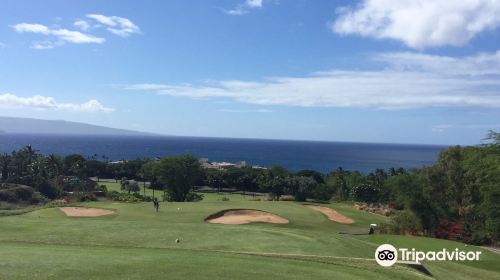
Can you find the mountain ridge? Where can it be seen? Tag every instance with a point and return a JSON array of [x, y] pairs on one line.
[[13, 125]]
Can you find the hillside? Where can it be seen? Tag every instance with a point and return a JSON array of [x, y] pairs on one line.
[[38, 126], [138, 243]]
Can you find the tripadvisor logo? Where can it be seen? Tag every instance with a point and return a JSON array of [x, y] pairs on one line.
[[387, 255]]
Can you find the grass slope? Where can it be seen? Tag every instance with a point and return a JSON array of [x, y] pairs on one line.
[[138, 243]]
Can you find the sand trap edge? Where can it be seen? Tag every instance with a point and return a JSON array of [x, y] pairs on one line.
[[222, 212], [334, 216], [99, 212]]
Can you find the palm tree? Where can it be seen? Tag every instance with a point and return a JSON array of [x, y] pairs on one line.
[[54, 165], [5, 161]]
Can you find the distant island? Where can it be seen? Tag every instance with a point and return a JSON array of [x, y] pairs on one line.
[[38, 126]]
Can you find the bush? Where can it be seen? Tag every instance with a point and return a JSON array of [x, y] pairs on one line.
[[365, 192], [322, 193], [113, 194], [405, 222], [14, 193], [194, 197], [130, 185], [480, 238], [384, 228], [123, 197], [23, 193], [49, 190], [101, 191], [73, 184], [287, 197], [86, 197], [8, 195], [9, 206], [142, 197], [225, 198], [102, 188], [38, 198]]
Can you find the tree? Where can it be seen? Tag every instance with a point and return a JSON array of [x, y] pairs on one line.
[[450, 163], [54, 165], [341, 182], [409, 192], [493, 138], [179, 175], [377, 180], [147, 174], [318, 177], [300, 187], [274, 186], [74, 165], [278, 171], [131, 168], [130, 186], [322, 192], [5, 161], [95, 168], [491, 211], [365, 192]]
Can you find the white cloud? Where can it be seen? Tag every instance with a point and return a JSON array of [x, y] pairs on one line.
[[60, 34], [117, 25], [31, 27], [43, 45], [82, 24], [246, 111], [49, 103], [443, 127], [245, 7], [409, 80], [478, 65], [419, 23], [254, 3], [76, 37]]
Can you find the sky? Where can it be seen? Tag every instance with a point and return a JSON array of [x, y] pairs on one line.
[[391, 71]]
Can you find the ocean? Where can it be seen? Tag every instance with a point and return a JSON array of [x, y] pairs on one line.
[[293, 155]]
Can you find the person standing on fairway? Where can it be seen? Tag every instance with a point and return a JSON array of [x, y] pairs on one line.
[[156, 204]]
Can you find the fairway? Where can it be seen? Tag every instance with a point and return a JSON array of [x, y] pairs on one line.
[[137, 242]]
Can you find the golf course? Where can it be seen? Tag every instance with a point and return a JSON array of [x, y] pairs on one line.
[[133, 241]]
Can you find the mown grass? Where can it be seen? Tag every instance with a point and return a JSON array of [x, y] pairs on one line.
[[138, 243]]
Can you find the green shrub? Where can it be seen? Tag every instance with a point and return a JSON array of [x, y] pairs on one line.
[[480, 238], [86, 197], [49, 190], [38, 198], [102, 188], [365, 192], [8, 195], [322, 193], [405, 222], [123, 197], [13, 193], [194, 197]]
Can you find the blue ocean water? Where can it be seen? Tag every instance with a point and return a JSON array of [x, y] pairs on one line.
[[293, 155]]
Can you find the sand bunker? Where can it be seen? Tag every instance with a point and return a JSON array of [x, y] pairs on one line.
[[331, 214], [244, 216], [85, 212]]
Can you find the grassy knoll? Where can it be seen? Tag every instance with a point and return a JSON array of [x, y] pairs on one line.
[[39, 261], [138, 243]]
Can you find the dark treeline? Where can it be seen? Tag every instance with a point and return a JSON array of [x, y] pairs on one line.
[[456, 198]]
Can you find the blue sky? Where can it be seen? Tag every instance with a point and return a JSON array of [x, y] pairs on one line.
[[368, 71]]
